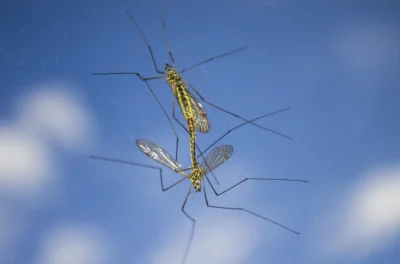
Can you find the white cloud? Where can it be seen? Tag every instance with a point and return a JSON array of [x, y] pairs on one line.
[[369, 47], [370, 219], [24, 161], [216, 240], [231, 242], [12, 226], [51, 113], [53, 110], [73, 244]]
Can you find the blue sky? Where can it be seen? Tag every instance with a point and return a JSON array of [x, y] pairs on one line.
[[335, 63]]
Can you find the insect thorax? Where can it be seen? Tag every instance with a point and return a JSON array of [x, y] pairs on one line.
[[173, 77], [179, 89], [195, 178]]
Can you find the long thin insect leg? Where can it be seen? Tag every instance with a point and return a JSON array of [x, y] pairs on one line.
[[140, 165], [238, 126], [257, 179], [158, 101], [213, 58], [130, 73], [228, 112], [190, 168], [177, 139], [165, 33], [147, 43], [177, 120], [250, 212], [192, 231], [165, 113]]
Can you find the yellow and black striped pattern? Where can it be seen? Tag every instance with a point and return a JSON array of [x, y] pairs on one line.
[[195, 177], [180, 91]]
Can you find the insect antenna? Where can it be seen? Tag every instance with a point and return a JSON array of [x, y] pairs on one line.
[[165, 33]]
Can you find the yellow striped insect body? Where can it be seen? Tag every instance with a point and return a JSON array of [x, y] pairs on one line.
[[196, 177], [182, 95], [190, 106]]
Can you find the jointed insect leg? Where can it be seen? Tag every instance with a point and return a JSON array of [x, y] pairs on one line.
[[147, 79], [169, 120], [177, 138], [257, 179], [213, 58], [193, 228], [238, 126], [242, 209], [233, 114], [169, 45], [147, 43], [158, 101], [130, 73], [174, 116], [140, 165]]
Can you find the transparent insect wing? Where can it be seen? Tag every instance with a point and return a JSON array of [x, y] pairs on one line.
[[201, 119], [158, 154], [216, 157]]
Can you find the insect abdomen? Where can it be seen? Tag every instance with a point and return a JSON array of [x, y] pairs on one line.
[[196, 179], [185, 104], [184, 101], [180, 90]]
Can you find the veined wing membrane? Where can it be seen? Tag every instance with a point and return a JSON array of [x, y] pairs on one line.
[[216, 157], [201, 119], [159, 154]]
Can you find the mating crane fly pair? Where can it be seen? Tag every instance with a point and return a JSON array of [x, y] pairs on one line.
[[196, 119], [191, 109]]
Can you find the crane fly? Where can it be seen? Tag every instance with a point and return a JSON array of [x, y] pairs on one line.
[[192, 110], [197, 177]]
